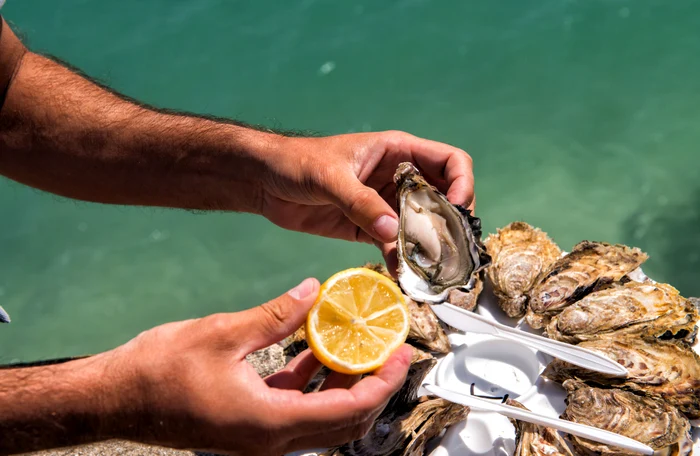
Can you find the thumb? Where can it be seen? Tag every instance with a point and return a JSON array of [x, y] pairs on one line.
[[273, 321], [366, 209]]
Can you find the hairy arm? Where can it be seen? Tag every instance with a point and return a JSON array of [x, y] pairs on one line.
[[64, 404], [65, 134]]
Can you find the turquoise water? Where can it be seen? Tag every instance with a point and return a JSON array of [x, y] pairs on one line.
[[583, 118]]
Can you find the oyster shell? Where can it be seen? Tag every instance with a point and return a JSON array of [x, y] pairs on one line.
[[645, 419], [534, 440], [439, 246], [405, 434], [658, 368], [630, 308], [425, 328], [467, 299], [519, 256], [588, 265], [407, 423], [4, 316]]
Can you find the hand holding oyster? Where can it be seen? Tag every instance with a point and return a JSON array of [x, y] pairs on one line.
[[439, 245]]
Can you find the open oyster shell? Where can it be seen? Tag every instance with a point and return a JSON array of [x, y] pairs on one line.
[[519, 256], [439, 246], [664, 369], [587, 266], [535, 440], [656, 310], [645, 419]]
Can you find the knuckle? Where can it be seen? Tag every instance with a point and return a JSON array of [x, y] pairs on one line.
[[360, 416], [359, 431], [394, 138], [218, 325], [396, 134], [362, 199], [468, 158], [274, 314]]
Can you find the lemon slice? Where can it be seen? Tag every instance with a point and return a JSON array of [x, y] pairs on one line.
[[359, 319]]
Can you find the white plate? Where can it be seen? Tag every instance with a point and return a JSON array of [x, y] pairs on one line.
[[497, 367]]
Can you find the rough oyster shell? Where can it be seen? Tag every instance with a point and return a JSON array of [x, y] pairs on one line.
[[664, 369], [407, 423], [588, 265], [645, 419], [439, 246], [630, 308], [467, 299], [534, 440], [425, 329], [405, 434], [519, 256]]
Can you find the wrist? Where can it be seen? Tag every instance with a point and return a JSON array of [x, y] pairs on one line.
[[239, 162]]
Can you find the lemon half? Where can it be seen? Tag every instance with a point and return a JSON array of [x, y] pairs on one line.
[[358, 320]]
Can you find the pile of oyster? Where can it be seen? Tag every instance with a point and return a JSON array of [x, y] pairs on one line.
[[588, 297]]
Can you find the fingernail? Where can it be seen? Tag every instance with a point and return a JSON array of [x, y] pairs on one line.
[[303, 290], [386, 227]]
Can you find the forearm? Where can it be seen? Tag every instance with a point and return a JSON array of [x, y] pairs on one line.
[[65, 404], [62, 133]]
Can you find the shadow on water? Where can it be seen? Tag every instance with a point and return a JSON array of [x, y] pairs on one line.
[[670, 233]]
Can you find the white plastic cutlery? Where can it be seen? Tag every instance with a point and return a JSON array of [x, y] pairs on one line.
[[467, 321], [581, 430]]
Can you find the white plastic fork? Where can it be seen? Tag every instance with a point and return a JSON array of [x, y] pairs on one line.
[[581, 430], [467, 321]]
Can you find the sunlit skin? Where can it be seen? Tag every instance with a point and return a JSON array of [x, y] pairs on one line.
[[187, 384]]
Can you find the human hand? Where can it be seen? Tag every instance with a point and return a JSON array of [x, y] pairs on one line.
[[197, 391], [342, 186]]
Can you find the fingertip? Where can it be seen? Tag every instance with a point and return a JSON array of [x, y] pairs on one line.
[[386, 228], [306, 289], [397, 364], [404, 354], [461, 192]]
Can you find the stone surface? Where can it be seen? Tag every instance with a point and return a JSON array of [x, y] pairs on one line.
[[266, 361]]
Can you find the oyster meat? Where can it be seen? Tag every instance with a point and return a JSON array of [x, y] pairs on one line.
[[646, 419], [439, 246], [631, 308], [407, 423], [589, 264], [535, 440], [657, 368], [519, 255]]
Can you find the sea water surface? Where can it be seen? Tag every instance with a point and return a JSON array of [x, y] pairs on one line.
[[582, 117]]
